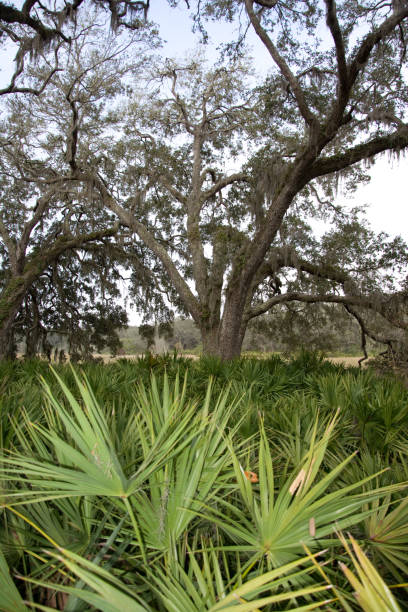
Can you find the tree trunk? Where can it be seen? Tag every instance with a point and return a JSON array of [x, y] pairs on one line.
[[232, 329], [210, 339], [32, 342], [231, 341], [7, 344], [10, 303]]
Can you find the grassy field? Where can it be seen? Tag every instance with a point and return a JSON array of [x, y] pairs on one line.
[[166, 484]]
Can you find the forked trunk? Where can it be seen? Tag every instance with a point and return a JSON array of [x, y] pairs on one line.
[[225, 340]]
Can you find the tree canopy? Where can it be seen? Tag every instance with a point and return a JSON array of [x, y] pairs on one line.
[[213, 182]]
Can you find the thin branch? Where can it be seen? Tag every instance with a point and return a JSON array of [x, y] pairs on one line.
[[327, 203], [180, 103], [12, 88], [170, 188]]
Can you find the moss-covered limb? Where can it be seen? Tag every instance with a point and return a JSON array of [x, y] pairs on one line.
[[385, 305], [37, 264], [17, 287], [187, 296], [11, 15], [287, 258], [327, 165]]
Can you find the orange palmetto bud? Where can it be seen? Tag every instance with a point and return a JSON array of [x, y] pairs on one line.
[[251, 476]]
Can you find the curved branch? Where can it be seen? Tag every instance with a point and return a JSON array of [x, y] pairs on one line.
[[353, 300], [365, 332], [224, 182], [170, 188], [12, 88]]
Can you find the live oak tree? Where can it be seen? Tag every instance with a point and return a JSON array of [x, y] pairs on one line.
[[169, 195], [33, 26], [215, 179], [331, 104], [49, 227], [72, 308], [326, 107], [38, 226]]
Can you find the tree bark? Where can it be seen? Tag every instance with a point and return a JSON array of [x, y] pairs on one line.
[[10, 303], [7, 344], [233, 328], [211, 341], [34, 333]]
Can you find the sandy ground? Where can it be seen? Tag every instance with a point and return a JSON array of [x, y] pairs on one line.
[[347, 361]]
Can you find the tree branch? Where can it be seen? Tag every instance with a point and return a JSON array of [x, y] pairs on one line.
[[333, 24], [306, 113], [224, 182], [10, 245], [326, 165], [12, 88], [65, 244], [179, 102], [150, 241], [39, 210], [354, 300], [371, 40], [366, 332], [170, 188], [9, 14]]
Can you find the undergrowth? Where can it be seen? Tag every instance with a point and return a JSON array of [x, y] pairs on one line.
[[166, 484]]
